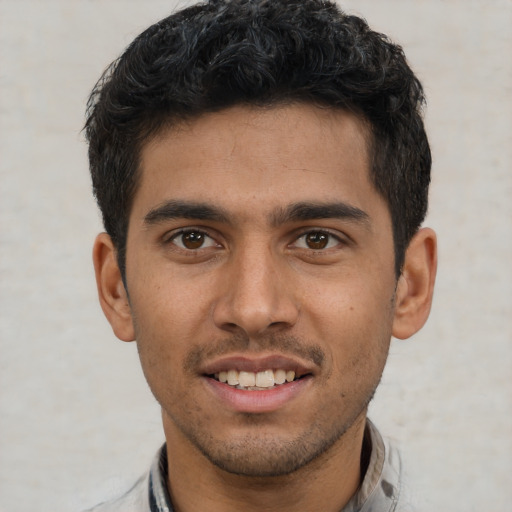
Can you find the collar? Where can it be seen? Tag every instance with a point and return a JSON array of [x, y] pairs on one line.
[[379, 490]]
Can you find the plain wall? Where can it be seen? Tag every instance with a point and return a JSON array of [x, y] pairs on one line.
[[77, 423]]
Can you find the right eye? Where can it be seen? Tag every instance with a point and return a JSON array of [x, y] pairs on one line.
[[192, 240]]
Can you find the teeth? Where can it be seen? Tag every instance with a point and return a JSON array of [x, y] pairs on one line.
[[254, 381], [233, 378], [247, 379], [279, 376], [265, 379]]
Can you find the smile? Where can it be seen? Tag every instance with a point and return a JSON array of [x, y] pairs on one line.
[[257, 385], [255, 381]]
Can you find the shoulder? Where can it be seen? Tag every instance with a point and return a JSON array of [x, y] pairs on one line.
[[134, 500]]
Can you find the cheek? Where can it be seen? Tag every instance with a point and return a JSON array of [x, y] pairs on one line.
[[169, 315], [354, 321], [165, 300]]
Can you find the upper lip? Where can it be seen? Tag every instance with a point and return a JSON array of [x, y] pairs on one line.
[[257, 364]]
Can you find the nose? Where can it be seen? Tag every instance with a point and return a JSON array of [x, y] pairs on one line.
[[255, 294]]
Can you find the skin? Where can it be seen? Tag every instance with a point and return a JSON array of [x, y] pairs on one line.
[[253, 279]]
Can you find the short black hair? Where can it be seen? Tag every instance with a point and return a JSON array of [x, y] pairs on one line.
[[222, 53]]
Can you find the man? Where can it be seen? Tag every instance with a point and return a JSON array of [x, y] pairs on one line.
[[262, 170]]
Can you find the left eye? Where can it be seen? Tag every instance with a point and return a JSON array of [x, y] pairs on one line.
[[317, 240], [193, 240]]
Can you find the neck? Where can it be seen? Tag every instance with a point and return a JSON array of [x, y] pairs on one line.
[[327, 483]]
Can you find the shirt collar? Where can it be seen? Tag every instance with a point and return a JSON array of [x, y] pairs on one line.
[[380, 488], [159, 499]]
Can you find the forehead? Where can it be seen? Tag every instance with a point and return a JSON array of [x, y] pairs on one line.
[[254, 159]]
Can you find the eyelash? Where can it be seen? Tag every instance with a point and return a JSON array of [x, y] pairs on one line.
[[331, 237], [183, 232]]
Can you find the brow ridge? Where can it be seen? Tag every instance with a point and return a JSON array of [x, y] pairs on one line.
[[177, 209], [295, 212], [304, 211]]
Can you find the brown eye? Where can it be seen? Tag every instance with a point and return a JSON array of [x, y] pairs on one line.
[[193, 240], [317, 240]]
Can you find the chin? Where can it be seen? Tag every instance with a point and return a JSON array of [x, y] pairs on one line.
[[267, 456], [271, 460]]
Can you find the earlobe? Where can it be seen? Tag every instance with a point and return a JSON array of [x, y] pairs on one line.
[[416, 284], [111, 291]]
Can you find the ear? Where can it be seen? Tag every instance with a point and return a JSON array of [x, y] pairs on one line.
[[111, 290], [416, 284]]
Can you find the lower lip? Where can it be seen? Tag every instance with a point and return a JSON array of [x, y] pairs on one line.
[[268, 400]]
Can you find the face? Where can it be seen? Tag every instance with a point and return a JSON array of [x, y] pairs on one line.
[[259, 252]]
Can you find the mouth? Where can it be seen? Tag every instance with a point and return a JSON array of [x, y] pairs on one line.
[[256, 381]]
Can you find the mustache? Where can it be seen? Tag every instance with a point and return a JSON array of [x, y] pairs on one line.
[[239, 342]]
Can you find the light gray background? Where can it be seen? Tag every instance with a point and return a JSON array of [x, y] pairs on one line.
[[77, 423]]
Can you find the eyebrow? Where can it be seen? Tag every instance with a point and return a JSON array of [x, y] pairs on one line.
[[312, 211], [296, 212], [184, 210]]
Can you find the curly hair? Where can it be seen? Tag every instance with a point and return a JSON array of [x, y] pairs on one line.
[[221, 53]]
